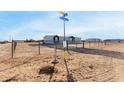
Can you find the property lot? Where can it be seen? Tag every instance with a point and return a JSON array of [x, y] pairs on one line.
[[92, 63]]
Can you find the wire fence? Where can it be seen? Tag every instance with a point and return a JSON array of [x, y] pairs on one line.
[[17, 48], [27, 52], [94, 44], [5, 50], [20, 48]]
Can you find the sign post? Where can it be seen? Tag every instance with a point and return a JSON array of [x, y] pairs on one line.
[[63, 17]]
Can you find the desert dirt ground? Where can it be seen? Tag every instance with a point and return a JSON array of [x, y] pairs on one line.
[[94, 63]]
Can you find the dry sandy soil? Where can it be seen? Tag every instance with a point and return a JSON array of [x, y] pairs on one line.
[[98, 63]]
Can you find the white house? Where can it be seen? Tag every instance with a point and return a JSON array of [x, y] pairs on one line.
[[51, 39]]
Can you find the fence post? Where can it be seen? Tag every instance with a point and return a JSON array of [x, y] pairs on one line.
[[12, 49], [98, 43], [89, 44], [67, 44], [83, 43], [39, 48], [105, 43], [76, 45]]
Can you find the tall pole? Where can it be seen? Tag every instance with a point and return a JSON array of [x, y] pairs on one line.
[[64, 40], [64, 29], [63, 17]]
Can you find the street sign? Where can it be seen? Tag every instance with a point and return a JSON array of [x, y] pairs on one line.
[[64, 14], [64, 19], [64, 44]]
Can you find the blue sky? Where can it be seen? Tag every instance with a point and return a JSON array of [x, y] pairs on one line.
[[36, 24]]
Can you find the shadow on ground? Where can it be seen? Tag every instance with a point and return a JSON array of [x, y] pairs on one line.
[[114, 54]]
